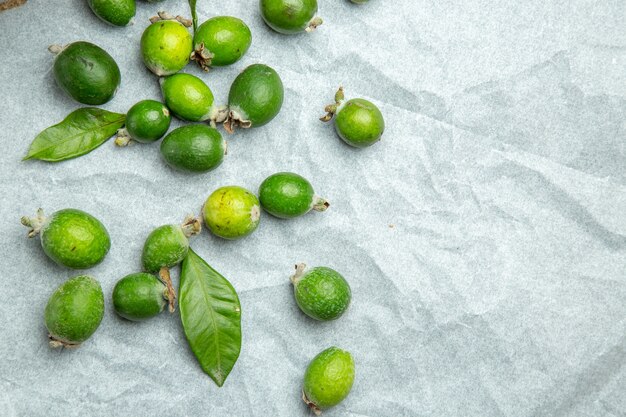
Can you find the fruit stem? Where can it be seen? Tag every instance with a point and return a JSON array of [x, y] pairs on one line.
[[191, 225], [35, 223], [299, 273], [56, 48], [162, 15], [164, 274], [331, 109], [123, 138], [202, 56], [319, 203], [313, 24], [311, 405], [56, 343], [235, 119]]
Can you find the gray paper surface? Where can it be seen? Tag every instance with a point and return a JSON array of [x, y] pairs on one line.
[[484, 237]]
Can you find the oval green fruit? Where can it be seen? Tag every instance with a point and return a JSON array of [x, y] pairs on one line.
[[194, 148], [167, 245], [321, 293], [74, 311], [147, 121], [288, 195], [328, 379], [86, 72], [290, 16], [115, 12], [232, 212], [188, 97], [139, 296], [220, 41], [166, 46], [255, 97]]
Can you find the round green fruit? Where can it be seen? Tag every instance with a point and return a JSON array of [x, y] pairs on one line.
[[166, 46], [220, 41], [74, 311], [328, 379], [139, 296], [147, 121], [86, 72], [70, 237], [288, 195], [321, 293], [188, 97], [115, 12], [290, 16], [232, 212], [194, 148]]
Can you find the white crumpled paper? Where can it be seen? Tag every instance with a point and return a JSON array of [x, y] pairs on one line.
[[484, 237]]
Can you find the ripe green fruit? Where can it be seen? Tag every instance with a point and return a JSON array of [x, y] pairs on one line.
[[290, 16], [194, 148], [232, 212], [166, 46], [139, 296], [86, 72], [115, 12], [70, 237], [220, 41], [321, 293], [255, 98], [188, 97], [328, 379], [74, 311], [147, 121], [288, 195]]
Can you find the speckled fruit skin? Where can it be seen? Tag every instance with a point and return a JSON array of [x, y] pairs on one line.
[[114, 12], [166, 246], [193, 148], [188, 97], [87, 73], [166, 46], [256, 94], [286, 195], [74, 311], [147, 121], [328, 379], [359, 123], [232, 212], [288, 16], [227, 38], [322, 293], [139, 296]]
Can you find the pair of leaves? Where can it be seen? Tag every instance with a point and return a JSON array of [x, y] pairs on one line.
[[80, 132], [211, 315]]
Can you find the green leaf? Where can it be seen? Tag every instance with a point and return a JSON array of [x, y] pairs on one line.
[[194, 15], [80, 132], [211, 316]]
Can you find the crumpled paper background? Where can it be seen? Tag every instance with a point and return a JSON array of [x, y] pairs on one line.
[[484, 237]]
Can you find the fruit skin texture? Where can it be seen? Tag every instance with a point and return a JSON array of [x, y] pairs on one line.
[[231, 212], [74, 311], [115, 12], [287, 195], [288, 16], [321, 293], [139, 296], [359, 123], [166, 46], [147, 121], [226, 38], [188, 97], [328, 379], [87, 73], [193, 148]]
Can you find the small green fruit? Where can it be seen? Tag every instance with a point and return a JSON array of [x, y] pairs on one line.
[[115, 12], [166, 46], [288, 195], [194, 148], [147, 121], [328, 379], [255, 98], [220, 41], [232, 212], [321, 293], [74, 311], [70, 237], [188, 97], [139, 296], [290, 16], [86, 72]]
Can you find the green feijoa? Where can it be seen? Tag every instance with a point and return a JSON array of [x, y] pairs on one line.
[[287, 195], [290, 16], [74, 311], [115, 12], [328, 379], [147, 121], [70, 237], [166, 46], [139, 296], [86, 72], [255, 98], [220, 41], [321, 293], [188, 97], [194, 148], [231, 212]]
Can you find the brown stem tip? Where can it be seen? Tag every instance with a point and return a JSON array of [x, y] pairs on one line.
[[331, 109], [164, 274], [310, 404], [162, 15]]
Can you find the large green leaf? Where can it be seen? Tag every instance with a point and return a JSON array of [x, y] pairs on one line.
[[80, 132], [194, 14], [211, 316]]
